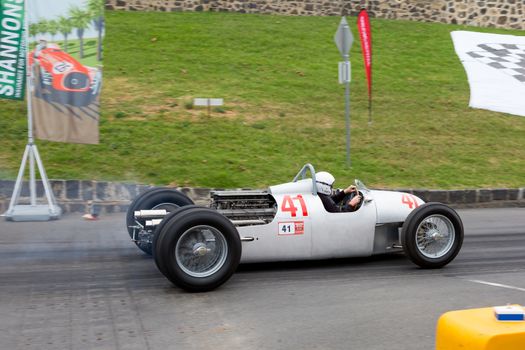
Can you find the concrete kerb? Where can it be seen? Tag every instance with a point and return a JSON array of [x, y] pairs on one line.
[[101, 197]]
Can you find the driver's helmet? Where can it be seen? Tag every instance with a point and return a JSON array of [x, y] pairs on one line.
[[324, 182]]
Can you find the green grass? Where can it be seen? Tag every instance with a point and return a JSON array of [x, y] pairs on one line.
[[283, 107], [90, 51]]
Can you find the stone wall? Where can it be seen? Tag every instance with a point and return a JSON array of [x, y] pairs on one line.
[[483, 13], [80, 196], [77, 196]]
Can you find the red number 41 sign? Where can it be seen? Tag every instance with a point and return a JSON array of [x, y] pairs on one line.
[[288, 205]]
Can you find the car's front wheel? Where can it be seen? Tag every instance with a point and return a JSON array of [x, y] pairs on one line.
[[432, 235], [197, 249]]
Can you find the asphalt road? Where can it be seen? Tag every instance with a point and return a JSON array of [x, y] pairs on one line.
[[74, 284]]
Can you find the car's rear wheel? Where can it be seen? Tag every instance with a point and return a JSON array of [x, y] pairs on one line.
[[197, 249], [157, 198], [432, 235]]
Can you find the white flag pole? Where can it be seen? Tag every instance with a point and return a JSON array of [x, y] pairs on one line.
[[33, 211]]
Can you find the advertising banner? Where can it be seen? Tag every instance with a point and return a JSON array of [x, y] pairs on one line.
[[65, 62], [12, 49], [495, 66], [365, 34]]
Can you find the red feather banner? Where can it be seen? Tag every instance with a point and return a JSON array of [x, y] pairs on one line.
[[365, 33]]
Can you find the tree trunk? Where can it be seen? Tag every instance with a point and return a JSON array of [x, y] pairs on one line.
[[99, 42], [65, 42], [80, 33]]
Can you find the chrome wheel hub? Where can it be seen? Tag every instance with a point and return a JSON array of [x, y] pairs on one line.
[[435, 236], [201, 251]]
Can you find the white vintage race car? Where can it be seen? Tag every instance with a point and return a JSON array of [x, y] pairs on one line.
[[199, 248]]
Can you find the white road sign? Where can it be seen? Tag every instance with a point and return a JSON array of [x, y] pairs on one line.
[[207, 102], [343, 37], [344, 72]]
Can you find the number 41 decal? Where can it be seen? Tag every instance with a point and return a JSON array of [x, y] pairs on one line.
[[288, 205], [409, 200]]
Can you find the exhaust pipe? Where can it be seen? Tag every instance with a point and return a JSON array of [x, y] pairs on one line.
[[150, 214]]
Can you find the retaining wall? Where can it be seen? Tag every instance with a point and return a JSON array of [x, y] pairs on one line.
[[76, 196], [483, 13]]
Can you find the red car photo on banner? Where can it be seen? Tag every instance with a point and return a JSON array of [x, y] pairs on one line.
[[58, 77], [65, 66]]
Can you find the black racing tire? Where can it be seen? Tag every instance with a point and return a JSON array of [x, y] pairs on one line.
[[72, 98], [199, 249], [155, 198], [61, 97], [160, 228], [432, 235], [85, 99]]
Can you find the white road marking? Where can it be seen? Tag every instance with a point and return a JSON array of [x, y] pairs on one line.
[[498, 285]]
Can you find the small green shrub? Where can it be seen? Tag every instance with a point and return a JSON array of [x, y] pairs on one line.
[[120, 115]]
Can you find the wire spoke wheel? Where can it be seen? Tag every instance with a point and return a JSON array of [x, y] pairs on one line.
[[197, 248], [201, 251], [435, 236], [432, 235]]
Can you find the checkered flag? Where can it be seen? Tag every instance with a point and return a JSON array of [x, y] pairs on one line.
[[508, 58]]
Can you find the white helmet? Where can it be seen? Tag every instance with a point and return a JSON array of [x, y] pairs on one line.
[[324, 182]]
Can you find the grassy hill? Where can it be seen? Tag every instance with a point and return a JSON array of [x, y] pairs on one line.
[[283, 107]]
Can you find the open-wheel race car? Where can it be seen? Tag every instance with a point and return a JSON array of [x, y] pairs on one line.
[[199, 248]]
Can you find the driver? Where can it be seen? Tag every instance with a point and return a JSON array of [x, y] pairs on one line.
[[325, 182], [42, 45]]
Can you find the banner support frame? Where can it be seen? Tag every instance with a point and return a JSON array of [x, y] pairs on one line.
[[33, 211]]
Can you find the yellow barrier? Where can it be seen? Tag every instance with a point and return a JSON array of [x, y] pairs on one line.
[[478, 329]]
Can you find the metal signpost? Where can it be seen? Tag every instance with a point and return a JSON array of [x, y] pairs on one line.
[[344, 39], [32, 211]]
